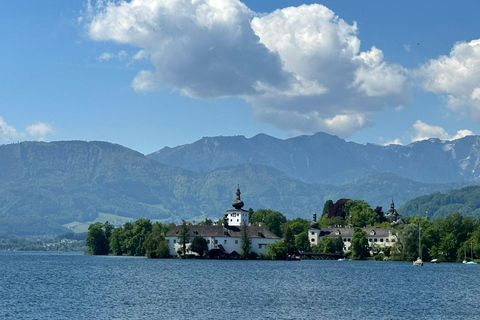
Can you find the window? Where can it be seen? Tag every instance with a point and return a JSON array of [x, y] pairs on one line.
[[370, 240], [386, 240], [259, 246], [381, 239], [344, 239], [393, 240], [349, 240], [313, 240], [236, 241], [216, 241], [313, 233], [375, 240], [225, 241], [208, 241], [174, 241]]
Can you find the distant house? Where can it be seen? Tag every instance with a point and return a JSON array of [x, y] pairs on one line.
[[224, 241]]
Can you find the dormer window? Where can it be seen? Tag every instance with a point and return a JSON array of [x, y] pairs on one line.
[[337, 232], [372, 232]]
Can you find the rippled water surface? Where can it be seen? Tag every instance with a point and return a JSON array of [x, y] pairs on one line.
[[37, 285]]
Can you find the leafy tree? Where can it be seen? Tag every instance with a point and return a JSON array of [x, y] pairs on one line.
[[359, 214], [155, 244], [299, 225], [302, 242], [326, 207], [96, 241], [359, 246], [277, 251], [117, 239], [183, 238], [289, 240], [246, 243], [206, 222], [199, 245], [272, 220]]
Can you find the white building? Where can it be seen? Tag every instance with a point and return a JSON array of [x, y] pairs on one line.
[[224, 241], [377, 237]]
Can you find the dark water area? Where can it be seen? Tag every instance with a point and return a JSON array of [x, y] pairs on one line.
[[37, 285]]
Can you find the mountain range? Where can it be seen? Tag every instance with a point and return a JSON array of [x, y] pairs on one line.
[[48, 188]]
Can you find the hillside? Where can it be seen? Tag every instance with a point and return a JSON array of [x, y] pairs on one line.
[[326, 159], [465, 201], [47, 187]]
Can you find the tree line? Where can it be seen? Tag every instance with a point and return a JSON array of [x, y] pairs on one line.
[[446, 239]]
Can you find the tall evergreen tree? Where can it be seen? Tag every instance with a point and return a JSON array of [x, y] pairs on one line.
[[246, 243], [183, 238]]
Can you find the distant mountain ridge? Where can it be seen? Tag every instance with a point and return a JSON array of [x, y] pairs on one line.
[[45, 187], [323, 158]]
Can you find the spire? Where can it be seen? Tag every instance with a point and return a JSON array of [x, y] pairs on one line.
[[238, 203], [314, 224]]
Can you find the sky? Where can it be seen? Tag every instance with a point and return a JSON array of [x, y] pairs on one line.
[[148, 74]]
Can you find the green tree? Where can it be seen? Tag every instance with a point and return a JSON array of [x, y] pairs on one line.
[[326, 207], [359, 214], [289, 240], [302, 242], [359, 246], [272, 220], [299, 225], [155, 244], [117, 239], [183, 238], [246, 243], [96, 241], [199, 245], [277, 251]]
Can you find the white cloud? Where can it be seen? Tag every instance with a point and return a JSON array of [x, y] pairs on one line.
[[300, 67], [106, 56], [8, 133], [40, 130], [425, 131], [457, 77]]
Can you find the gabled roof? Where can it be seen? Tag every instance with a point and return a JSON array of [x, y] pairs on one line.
[[220, 231]]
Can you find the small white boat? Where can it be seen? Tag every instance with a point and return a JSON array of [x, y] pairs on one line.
[[418, 262], [434, 261], [343, 259]]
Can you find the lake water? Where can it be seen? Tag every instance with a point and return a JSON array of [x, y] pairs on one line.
[[38, 285]]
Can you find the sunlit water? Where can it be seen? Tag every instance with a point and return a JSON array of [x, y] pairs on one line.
[[73, 286]]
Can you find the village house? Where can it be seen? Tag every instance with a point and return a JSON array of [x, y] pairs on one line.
[[224, 241]]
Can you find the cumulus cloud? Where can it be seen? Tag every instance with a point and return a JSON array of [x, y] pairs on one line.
[[40, 130], [301, 68], [456, 77], [425, 131], [8, 133]]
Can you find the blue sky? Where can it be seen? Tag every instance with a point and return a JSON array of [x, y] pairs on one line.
[[150, 74]]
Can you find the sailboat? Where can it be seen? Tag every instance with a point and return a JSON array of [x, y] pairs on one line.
[[471, 255], [419, 261]]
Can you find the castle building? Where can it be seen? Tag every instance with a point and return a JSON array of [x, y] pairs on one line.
[[224, 241], [377, 237]]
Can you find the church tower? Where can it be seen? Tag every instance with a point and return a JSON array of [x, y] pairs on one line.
[[237, 216]]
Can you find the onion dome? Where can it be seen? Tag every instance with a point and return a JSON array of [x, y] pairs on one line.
[[238, 204]]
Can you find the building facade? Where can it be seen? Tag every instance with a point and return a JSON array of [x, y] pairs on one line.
[[224, 241]]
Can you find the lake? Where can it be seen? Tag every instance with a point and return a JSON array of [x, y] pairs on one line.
[[45, 285]]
